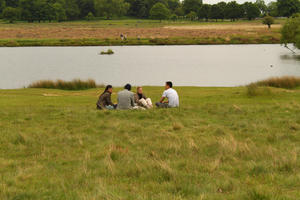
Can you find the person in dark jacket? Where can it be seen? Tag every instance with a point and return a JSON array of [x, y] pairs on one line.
[[104, 101]]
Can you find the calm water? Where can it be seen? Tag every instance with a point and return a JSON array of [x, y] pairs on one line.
[[214, 65]]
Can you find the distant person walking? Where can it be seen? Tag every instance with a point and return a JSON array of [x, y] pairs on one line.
[[104, 101], [141, 100], [126, 99], [171, 95]]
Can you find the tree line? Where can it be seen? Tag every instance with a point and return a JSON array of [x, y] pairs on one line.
[[62, 10]]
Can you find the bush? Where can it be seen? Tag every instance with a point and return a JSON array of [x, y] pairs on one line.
[[11, 14], [75, 84], [268, 20], [108, 52], [287, 82]]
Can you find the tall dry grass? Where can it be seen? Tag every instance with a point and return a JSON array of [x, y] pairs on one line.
[[75, 84], [288, 82]]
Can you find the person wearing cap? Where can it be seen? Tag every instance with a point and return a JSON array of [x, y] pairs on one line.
[[126, 99]]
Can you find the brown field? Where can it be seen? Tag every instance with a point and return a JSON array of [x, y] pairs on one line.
[[169, 31]]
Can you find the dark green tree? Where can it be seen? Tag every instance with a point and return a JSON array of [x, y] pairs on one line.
[[287, 8], [216, 12], [11, 14], [222, 6], [86, 7], [262, 6], [272, 9], [89, 16], [251, 10], [2, 6], [192, 16], [191, 5], [234, 11], [204, 12], [110, 8], [60, 12], [159, 11]]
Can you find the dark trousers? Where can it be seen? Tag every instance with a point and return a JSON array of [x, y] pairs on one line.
[[162, 105]]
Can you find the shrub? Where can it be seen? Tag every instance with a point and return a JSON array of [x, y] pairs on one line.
[[287, 82], [108, 52], [75, 84]]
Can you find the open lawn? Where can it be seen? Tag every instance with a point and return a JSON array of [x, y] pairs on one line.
[[107, 32], [220, 144]]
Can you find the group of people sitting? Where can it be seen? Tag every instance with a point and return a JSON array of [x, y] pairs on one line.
[[128, 100]]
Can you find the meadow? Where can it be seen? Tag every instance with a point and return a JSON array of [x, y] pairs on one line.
[[220, 144], [138, 32]]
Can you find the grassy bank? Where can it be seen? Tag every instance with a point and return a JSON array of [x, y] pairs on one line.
[[220, 144], [138, 32], [142, 41]]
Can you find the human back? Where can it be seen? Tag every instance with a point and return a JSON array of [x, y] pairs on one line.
[[125, 98]]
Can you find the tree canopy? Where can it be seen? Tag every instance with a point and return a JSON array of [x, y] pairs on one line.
[[291, 32]]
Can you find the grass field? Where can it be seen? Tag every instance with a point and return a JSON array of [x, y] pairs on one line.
[[138, 32], [220, 144]]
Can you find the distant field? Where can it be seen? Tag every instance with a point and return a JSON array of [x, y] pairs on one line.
[[220, 144], [222, 32]]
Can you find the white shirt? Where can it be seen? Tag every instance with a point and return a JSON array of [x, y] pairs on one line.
[[172, 96]]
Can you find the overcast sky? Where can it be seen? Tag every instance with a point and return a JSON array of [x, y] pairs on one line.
[[239, 1]]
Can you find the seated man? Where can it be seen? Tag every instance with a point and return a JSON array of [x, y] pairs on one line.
[[126, 99], [141, 100], [171, 95], [104, 101]]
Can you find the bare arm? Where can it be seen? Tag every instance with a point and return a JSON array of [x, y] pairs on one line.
[[162, 100]]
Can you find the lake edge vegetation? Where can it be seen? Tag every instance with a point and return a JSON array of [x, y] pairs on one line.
[[75, 84]]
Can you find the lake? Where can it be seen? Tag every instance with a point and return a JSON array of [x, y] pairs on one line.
[[205, 65]]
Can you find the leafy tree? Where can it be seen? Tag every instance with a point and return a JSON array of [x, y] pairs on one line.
[[216, 12], [204, 12], [179, 11], [159, 11], [110, 8], [222, 8], [291, 32], [60, 12], [234, 11], [191, 5], [287, 8], [272, 9], [262, 6], [173, 4], [2, 5], [11, 14], [192, 16], [90, 16], [251, 10], [86, 7], [173, 17], [268, 20], [12, 3], [72, 9]]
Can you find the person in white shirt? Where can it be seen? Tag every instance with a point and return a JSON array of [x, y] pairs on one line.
[[171, 95]]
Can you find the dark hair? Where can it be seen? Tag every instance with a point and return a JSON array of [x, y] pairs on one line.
[[169, 83], [127, 87], [107, 88]]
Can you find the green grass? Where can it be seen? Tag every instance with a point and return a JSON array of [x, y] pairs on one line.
[[135, 41], [220, 144]]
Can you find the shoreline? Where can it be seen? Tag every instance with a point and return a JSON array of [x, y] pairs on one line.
[[138, 42]]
